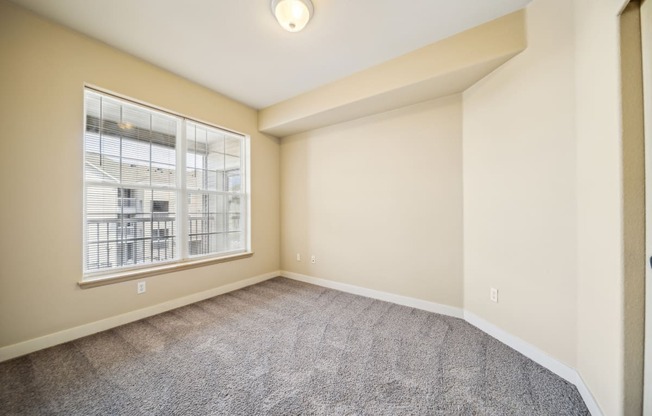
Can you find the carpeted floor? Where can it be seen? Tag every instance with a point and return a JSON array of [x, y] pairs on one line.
[[285, 348]]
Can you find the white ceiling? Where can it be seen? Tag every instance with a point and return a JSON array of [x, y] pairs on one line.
[[237, 48]]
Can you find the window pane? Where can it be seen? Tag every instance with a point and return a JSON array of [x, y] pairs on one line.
[[109, 127], [102, 223], [215, 223], [126, 227], [98, 166], [234, 241], [129, 144], [206, 158], [233, 165], [130, 149], [161, 229], [234, 213], [205, 223]]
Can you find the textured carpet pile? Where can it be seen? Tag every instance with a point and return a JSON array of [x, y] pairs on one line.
[[285, 348]]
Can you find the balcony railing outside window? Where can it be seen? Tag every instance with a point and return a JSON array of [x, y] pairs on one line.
[[116, 242]]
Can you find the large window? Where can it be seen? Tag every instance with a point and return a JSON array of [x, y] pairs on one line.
[[159, 188]]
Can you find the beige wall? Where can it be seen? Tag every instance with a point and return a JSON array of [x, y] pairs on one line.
[[379, 202], [599, 179], [633, 159], [543, 189], [44, 68], [646, 38], [519, 188]]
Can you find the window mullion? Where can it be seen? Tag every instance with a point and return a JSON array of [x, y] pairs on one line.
[[182, 193], [245, 189]]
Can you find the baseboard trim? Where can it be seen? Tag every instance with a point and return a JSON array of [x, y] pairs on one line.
[[46, 341], [377, 294], [562, 370], [525, 348], [586, 394]]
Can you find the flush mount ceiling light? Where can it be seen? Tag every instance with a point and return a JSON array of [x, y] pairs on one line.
[[292, 15]]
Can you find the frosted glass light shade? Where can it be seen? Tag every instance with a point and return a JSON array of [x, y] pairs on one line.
[[292, 15]]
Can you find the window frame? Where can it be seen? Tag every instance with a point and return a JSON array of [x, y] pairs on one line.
[[183, 259]]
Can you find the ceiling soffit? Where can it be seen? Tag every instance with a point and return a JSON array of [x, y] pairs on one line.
[[443, 68]]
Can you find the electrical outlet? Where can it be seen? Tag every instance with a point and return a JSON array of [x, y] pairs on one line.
[[313, 259], [298, 256], [493, 295], [141, 288]]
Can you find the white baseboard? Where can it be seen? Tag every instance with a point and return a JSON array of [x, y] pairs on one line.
[[32, 345], [562, 370], [525, 348], [586, 394], [376, 294]]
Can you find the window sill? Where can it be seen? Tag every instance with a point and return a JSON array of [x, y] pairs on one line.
[[110, 279]]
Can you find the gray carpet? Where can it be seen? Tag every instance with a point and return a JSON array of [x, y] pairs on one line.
[[285, 348]]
